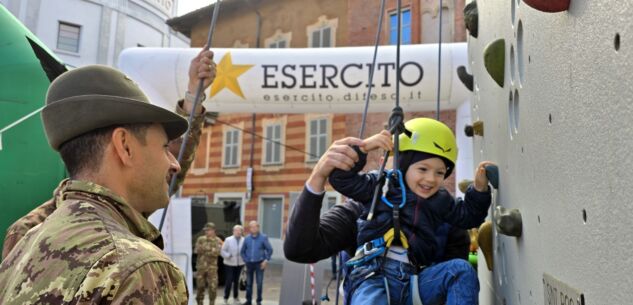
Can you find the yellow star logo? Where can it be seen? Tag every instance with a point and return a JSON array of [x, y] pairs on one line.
[[226, 76]]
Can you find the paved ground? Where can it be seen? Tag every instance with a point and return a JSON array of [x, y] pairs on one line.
[[272, 288]]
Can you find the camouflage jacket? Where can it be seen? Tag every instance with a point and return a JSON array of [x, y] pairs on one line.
[[17, 230], [208, 250], [93, 249]]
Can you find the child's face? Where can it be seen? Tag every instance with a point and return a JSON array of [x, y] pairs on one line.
[[426, 177]]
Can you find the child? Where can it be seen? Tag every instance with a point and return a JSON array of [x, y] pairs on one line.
[[389, 269]]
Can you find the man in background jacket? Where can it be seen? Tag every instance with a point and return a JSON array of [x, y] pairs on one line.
[[256, 253]]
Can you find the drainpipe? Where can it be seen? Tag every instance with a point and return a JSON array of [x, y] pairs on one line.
[[251, 170]]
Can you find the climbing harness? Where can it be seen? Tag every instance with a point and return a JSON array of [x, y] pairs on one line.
[[172, 184]]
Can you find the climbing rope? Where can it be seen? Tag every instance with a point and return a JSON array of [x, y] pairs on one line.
[[439, 64], [174, 177], [371, 70]]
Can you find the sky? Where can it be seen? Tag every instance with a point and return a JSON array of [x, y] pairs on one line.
[[186, 6]]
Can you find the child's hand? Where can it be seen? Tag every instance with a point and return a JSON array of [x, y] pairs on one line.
[[481, 180], [381, 140]]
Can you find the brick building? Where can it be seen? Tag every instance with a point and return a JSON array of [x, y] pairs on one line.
[[219, 173]]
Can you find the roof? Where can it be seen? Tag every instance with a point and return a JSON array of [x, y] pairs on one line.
[[185, 23]]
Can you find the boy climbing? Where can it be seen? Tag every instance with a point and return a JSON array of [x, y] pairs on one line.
[[393, 263]]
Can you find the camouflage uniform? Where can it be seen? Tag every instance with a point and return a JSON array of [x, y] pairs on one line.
[[93, 249], [208, 250], [17, 230]]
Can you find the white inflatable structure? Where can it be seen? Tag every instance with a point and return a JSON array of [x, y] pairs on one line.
[[333, 80]]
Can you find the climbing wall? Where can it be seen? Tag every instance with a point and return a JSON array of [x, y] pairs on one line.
[[560, 128]]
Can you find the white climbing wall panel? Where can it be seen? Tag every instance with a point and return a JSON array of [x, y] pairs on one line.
[[561, 130]]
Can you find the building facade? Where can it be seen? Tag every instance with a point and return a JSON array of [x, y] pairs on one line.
[[237, 142], [83, 32]]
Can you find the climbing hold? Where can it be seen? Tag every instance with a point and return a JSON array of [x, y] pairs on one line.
[[471, 18], [478, 128], [548, 6], [485, 243], [468, 130], [508, 221], [492, 172], [494, 60], [464, 184], [467, 79], [472, 259]]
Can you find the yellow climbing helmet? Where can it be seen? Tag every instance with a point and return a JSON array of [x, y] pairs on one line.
[[430, 136]]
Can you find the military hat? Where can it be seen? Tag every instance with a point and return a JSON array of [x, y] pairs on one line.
[[209, 226], [97, 96]]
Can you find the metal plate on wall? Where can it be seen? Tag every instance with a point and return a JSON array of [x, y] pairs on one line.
[[559, 293]]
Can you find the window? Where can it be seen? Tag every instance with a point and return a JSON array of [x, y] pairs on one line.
[[330, 200], [201, 161], [406, 27], [271, 212], [317, 138], [231, 148], [322, 34], [68, 37], [321, 38], [277, 44], [233, 205], [278, 40], [272, 149]]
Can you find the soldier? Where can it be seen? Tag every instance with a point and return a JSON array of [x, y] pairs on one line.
[[96, 246], [184, 107], [208, 248]]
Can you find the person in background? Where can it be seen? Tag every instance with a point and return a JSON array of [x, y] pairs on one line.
[[233, 263], [208, 249], [256, 253]]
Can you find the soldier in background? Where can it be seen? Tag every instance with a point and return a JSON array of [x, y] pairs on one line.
[[208, 248]]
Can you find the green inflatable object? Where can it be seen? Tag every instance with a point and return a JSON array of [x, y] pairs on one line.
[[494, 60], [29, 169], [472, 259]]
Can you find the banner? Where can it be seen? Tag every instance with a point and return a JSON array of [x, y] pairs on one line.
[[332, 80]]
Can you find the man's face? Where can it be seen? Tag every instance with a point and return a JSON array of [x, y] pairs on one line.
[[426, 177], [210, 232], [254, 228], [154, 167], [237, 232]]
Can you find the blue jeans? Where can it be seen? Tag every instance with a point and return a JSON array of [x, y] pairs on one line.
[[259, 274], [452, 282]]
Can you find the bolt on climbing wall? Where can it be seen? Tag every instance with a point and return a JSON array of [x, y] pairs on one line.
[[552, 87]]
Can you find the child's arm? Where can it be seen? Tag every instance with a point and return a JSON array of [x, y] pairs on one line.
[[472, 210], [360, 187]]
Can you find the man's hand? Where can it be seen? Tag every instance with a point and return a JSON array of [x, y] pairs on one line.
[[481, 180], [339, 155], [382, 140], [201, 67], [263, 265]]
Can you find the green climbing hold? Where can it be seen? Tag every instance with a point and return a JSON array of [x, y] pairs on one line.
[[472, 259], [494, 60], [471, 18]]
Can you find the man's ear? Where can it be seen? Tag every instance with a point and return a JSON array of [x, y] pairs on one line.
[[121, 141]]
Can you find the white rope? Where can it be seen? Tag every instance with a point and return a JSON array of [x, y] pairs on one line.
[[20, 120]]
